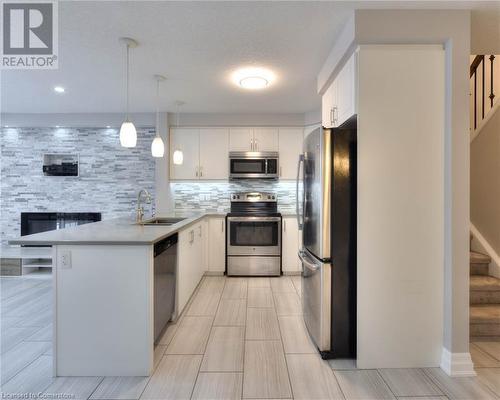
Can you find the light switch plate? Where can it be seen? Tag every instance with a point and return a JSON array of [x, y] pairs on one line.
[[66, 259]]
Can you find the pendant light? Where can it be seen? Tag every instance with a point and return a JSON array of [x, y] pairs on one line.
[[178, 156], [157, 147], [128, 133]]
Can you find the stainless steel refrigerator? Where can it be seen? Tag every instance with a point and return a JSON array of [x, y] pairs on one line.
[[327, 218]]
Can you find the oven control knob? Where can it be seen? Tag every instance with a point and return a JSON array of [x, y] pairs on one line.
[[273, 197]]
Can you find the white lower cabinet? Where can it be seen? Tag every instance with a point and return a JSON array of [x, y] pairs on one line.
[[201, 248], [290, 245], [216, 244], [190, 262]]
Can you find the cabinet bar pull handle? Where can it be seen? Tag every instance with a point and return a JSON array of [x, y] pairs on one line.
[[280, 171], [256, 144], [251, 144], [284, 225], [331, 116], [334, 109]]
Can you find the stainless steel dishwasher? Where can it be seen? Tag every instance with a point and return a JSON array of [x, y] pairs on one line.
[[165, 264]]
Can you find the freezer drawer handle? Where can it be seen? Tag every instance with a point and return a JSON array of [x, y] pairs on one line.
[[312, 267]]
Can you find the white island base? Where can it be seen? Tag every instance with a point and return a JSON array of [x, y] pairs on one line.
[[103, 319]]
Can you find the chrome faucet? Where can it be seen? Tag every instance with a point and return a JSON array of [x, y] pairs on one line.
[[140, 208]]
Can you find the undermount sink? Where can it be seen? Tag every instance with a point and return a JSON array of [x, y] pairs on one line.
[[161, 221]]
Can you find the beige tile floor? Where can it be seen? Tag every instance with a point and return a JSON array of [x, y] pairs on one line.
[[238, 338]]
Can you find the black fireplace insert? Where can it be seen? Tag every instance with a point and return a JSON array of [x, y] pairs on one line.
[[36, 222]]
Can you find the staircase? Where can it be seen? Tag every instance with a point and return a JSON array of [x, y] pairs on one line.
[[484, 300]]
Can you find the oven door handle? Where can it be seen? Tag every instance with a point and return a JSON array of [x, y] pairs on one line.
[[251, 219], [309, 266]]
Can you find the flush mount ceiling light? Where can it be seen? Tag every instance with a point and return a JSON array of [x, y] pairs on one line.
[[59, 89], [253, 78], [157, 147], [128, 133]]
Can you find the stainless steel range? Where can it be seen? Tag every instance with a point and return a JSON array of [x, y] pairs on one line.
[[253, 245]]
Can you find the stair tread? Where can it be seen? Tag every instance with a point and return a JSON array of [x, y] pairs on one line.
[[484, 282], [485, 313], [479, 258]]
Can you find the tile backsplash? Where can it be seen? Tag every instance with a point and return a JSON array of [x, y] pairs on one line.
[[109, 178], [189, 196]]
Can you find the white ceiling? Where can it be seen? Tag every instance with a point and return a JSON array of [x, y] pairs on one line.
[[196, 45]]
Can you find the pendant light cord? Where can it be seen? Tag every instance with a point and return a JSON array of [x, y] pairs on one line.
[[158, 107], [128, 117]]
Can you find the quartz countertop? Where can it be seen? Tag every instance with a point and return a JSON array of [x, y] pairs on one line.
[[117, 231]]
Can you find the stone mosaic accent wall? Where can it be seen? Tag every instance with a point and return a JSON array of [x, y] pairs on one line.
[[110, 175], [214, 196]]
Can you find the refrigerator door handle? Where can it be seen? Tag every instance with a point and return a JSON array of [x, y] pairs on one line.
[[299, 217]]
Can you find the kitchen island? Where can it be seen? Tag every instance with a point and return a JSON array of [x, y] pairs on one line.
[[103, 280]]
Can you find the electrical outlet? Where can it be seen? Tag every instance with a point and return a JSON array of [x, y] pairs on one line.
[[66, 259]]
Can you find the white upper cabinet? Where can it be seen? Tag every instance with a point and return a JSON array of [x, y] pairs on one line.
[[241, 139], [214, 148], [253, 139], [328, 106], [206, 150], [346, 91], [338, 103], [187, 140], [265, 139], [290, 147]]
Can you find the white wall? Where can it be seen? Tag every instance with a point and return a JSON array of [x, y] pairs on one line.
[[485, 184], [400, 206], [485, 30]]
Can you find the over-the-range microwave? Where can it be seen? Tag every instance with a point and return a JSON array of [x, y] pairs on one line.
[[253, 164]]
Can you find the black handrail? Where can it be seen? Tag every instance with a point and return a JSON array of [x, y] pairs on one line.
[[480, 61]]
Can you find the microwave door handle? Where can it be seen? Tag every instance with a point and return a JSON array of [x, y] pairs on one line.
[[299, 217]]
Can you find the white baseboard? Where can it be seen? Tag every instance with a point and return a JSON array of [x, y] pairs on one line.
[[457, 364], [292, 273], [480, 244], [214, 273]]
